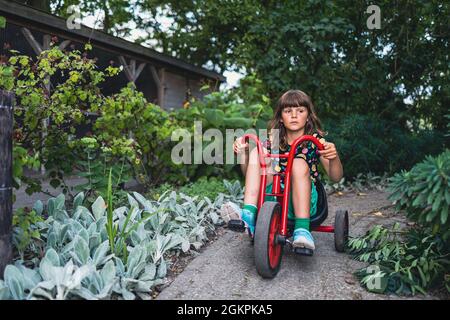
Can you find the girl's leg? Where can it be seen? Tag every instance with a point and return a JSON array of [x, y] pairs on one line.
[[301, 197], [301, 189], [252, 184], [253, 178]]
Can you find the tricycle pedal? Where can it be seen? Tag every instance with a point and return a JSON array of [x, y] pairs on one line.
[[304, 251], [236, 225]]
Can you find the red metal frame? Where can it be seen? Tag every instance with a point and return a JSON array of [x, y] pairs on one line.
[[283, 198]]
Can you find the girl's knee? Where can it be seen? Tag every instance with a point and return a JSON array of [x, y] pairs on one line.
[[300, 168]]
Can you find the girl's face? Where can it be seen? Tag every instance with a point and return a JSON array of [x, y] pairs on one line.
[[294, 118]]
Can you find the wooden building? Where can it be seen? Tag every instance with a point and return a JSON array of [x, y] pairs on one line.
[[164, 80]]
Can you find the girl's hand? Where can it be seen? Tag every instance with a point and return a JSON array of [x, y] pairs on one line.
[[329, 152], [239, 146]]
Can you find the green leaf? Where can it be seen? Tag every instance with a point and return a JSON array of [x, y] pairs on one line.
[[2, 22], [99, 208]]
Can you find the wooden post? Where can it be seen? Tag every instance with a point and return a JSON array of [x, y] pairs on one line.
[[6, 135], [159, 78]]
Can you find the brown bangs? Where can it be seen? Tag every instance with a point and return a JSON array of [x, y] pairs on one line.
[[294, 98]]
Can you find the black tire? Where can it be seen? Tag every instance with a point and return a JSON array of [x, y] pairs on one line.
[[270, 210], [341, 230]]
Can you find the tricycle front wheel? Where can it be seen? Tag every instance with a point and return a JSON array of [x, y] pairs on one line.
[[268, 251], [340, 230]]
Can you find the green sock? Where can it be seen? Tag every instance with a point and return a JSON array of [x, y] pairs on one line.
[[302, 223], [250, 207]]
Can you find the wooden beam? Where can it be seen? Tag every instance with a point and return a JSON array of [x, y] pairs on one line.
[[155, 77], [130, 70], [64, 44], [6, 178], [139, 70], [162, 87], [32, 41], [42, 22]]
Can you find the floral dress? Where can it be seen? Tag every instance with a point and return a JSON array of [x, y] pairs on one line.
[[307, 151]]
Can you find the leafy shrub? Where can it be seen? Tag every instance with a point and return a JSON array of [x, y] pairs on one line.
[[26, 228], [368, 144], [407, 261], [417, 259], [424, 193]]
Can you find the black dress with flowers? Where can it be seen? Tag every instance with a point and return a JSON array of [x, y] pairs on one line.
[[307, 151]]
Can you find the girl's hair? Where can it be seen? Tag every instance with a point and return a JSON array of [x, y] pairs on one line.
[[295, 98]]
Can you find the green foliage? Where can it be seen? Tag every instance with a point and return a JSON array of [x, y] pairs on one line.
[[148, 128], [108, 252], [2, 22], [240, 109], [397, 73], [26, 228], [93, 163], [369, 144], [204, 187], [406, 261], [424, 193]]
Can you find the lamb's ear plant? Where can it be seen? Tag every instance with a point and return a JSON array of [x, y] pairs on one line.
[[107, 253]]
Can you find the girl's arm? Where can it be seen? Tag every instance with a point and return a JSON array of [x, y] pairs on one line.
[[244, 161], [331, 162]]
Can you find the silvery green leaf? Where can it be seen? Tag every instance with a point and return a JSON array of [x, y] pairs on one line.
[[108, 273], [137, 255], [51, 206], [119, 266], [79, 275], [181, 219], [101, 223], [143, 286], [75, 226], [99, 208], [185, 245], [85, 294], [127, 295], [4, 291], [135, 239], [31, 277], [132, 201], [162, 269], [101, 252], [144, 202], [52, 256], [38, 207], [84, 234], [214, 217], [94, 242], [92, 229], [81, 249], [83, 214], [52, 240], [60, 202], [150, 271], [42, 290], [78, 200], [14, 281]]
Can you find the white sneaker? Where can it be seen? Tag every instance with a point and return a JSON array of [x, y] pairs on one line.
[[303, 239], [230, 211]]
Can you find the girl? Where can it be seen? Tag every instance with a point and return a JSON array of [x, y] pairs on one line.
[[294, 117]]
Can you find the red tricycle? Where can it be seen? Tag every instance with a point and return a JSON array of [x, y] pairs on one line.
[[273, 228]]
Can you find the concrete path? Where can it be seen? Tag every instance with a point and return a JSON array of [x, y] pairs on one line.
[[225, 269]]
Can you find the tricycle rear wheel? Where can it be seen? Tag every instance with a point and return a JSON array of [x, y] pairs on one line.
[[268, 251], [340, 230]]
